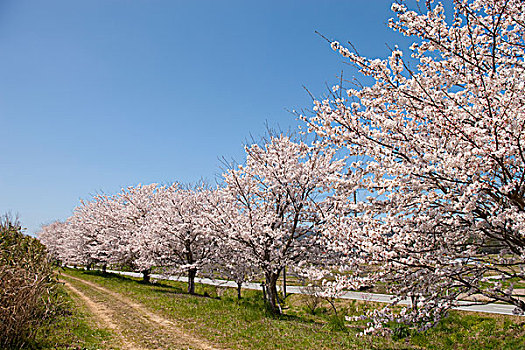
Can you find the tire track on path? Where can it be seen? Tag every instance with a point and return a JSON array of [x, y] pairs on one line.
[[184, 340], [103, 315]]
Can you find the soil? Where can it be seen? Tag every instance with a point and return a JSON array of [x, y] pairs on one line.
[[135, 327]]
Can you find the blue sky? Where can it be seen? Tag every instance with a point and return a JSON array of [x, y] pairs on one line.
[[96, 95]]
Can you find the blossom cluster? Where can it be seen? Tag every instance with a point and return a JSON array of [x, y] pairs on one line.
[[437, 141]]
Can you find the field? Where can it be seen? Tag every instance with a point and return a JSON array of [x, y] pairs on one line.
[[110, 311]]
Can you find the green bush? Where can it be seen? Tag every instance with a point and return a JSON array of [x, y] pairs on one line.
[[337, 323], [27, 285]]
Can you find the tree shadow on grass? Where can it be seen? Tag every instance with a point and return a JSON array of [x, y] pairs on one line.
[[167, 287], [99, 273], [252, 300]]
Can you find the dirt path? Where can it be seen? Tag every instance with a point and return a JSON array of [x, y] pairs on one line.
[[102, 314], [136, 326]]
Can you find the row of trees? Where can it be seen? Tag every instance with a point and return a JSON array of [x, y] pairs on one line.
[[436, 144], [267, 216]]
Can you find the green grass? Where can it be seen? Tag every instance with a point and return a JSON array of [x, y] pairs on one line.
[[73, 329], [474, 332], [246, 324]]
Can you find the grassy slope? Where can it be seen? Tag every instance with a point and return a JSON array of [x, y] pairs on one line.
[[74, 329], [246, 324]]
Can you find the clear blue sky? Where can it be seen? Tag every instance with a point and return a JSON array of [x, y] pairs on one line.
[[100, 94]]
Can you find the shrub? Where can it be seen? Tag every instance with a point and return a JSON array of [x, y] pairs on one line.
[[27, 285], [337, 323], [312, 297]]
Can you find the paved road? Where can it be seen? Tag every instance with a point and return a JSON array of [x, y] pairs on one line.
[[504, 309]]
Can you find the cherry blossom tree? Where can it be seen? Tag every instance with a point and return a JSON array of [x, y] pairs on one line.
[[180, 225], [231, 259], [141, 227], [88, 232], [273, 205], [115, 230], [52, 236], [131, 228], [437, 144], [70, 246]]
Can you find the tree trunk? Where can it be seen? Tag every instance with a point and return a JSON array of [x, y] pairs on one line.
[[104, 268], [263, 286], [271, 293], [146, 276], [191, 280], [239, 285], [284, 282], [413, 301]]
